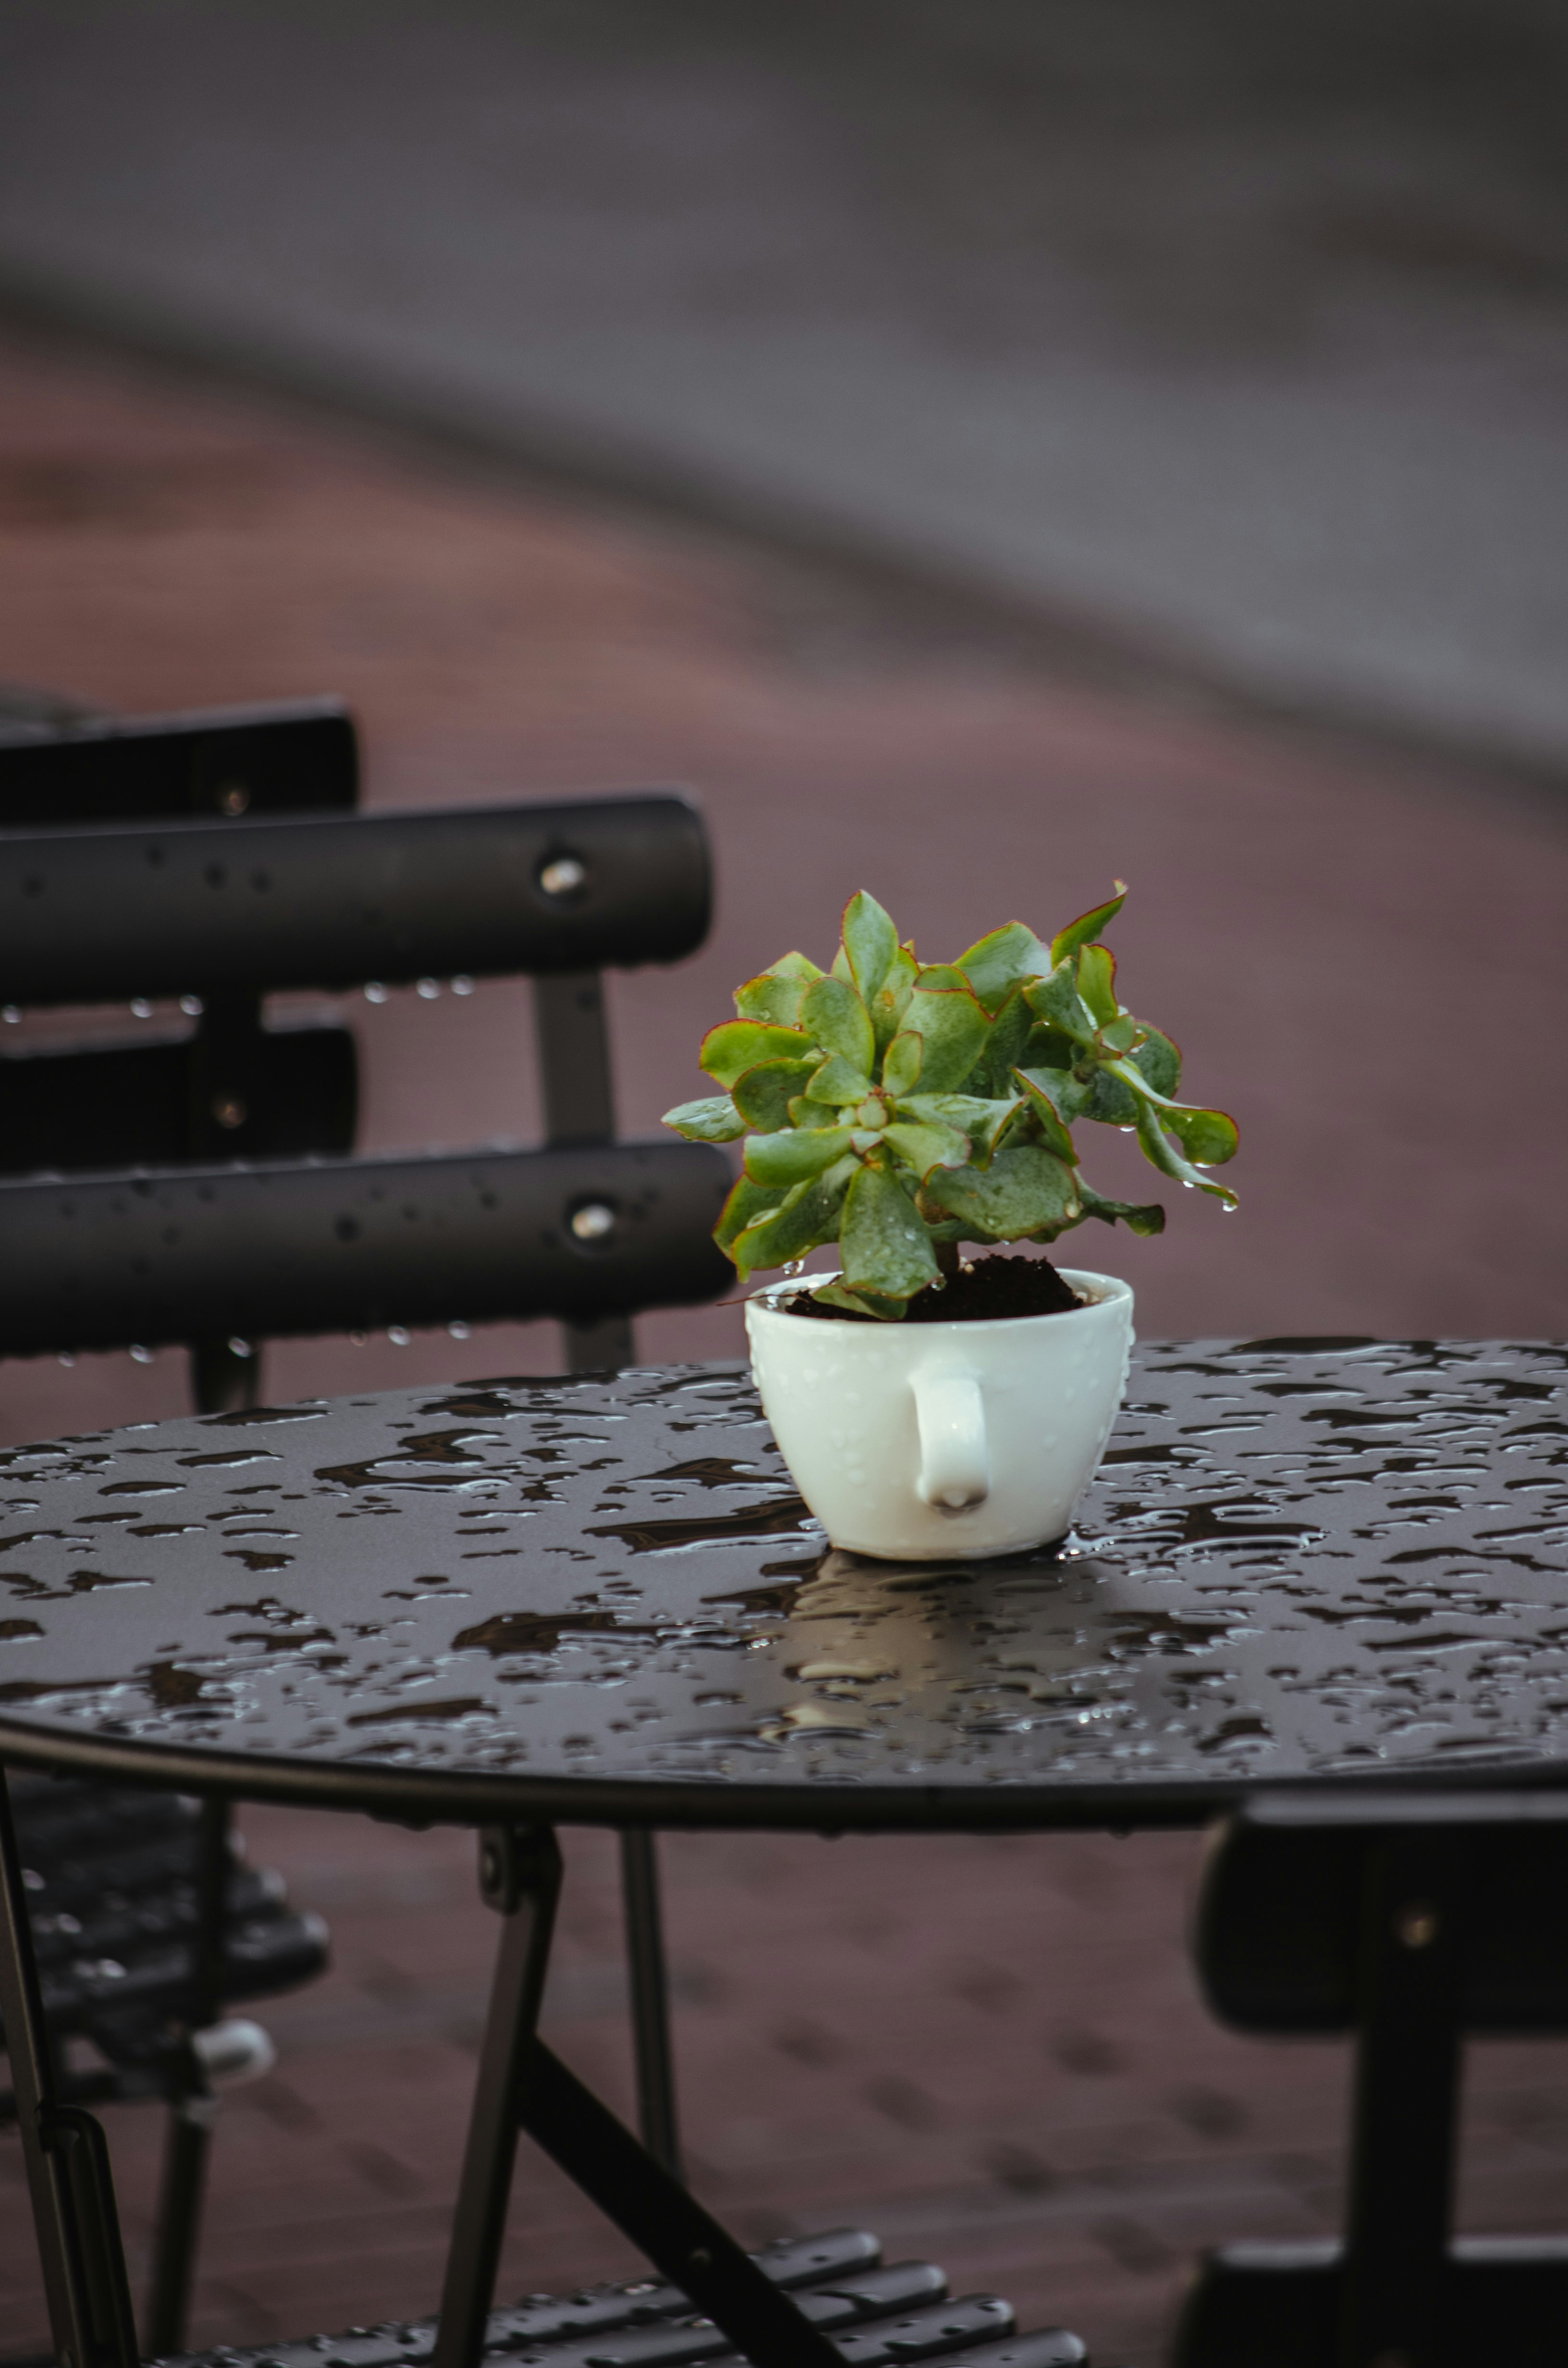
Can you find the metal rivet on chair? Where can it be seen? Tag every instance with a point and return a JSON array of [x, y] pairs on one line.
[[233, 797], [1416, 1925], [229, 1110], [594, 1222], [563, 876]]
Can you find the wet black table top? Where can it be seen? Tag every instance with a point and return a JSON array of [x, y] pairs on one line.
[[600, 1598]]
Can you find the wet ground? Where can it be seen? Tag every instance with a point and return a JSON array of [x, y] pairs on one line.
[[1237, 336], [990, 2051]]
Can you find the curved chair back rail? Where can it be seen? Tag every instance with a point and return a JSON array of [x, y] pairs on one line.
[[337, 1246], [332, 901], [223, 760]]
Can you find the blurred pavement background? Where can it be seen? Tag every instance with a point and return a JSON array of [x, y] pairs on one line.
[[1232, 338]]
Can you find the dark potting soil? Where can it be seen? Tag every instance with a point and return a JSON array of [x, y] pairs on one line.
[[992, 1287]]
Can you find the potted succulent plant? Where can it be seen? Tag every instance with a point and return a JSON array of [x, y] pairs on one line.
[[928, 1404]]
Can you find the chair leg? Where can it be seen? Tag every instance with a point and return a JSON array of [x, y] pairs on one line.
[[193, 2109], [653, 2049], [1395, 2302], [186, 2149], [66, 2157], [1398, 2291]]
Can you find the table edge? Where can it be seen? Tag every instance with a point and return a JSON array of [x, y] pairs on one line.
[[427, 1797]]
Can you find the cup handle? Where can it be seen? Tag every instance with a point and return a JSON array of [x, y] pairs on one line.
[[955, 1459]]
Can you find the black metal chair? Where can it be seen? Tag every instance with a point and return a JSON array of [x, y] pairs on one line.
[[875, 2316], [148, 1925], [148, 1922], [1408, 1920], [231, 1211]]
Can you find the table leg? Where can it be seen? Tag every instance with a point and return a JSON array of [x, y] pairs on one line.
[[652, 2049], [522, 2086], [65, 2150], [664, 2221], [519, 1875]]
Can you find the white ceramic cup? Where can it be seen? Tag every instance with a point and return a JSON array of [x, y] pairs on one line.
[[937, 1440]]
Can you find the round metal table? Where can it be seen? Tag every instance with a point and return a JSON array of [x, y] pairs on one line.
[[515, 1603], [599, 1599]]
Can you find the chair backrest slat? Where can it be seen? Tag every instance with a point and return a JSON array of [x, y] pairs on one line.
[[330, 1246], [330, 902], [228, 761], [159, 1102]]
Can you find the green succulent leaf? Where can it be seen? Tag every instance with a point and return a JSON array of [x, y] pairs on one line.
[[925, 1147], [983, 1120], [1110, 1102], [1042, 1110], [1087, 927], [737, 1045], [1208, 1136], [1010, 1031], [1056, 1001], [796, 1153], [837, 1082], [714, 1119], [1024, 1190], [870, 941], [1139, 1217], [901, 1064], [1160, 1061], [885, 1246], [995, 964], [776, 995], [888, 1005], [805, 1219], [763, 1095], [1096, 985], [840, 1022], [1119, 1036], [803, 1111], [952, 1026], [1048, 1048], [863, 1303], [747, 1205], [1161, 1154], [1069, 1096]]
